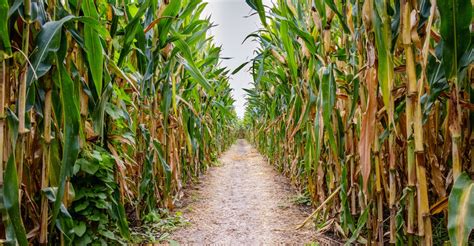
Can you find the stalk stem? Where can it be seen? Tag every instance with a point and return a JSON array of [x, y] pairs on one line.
[[410, 108], [2, 117], [46, 162]]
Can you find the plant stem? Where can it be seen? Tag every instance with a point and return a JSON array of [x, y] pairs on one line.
[[410, 108], [2, 117], [378, 187], [393, 189], [46, 161]]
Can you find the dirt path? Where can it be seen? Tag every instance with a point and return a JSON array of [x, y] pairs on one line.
[[243, 201]]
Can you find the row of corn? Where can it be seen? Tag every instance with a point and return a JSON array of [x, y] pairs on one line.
[[107, 109], [369, 106]]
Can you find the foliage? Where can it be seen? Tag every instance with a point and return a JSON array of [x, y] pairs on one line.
[[461, 209], [107, 107], [157, 226], [370, 97], [95, 209]]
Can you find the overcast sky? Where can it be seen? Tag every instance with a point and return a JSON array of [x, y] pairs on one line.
[[234, 25]]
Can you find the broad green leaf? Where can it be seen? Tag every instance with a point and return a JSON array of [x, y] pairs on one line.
[[290, 50], [14, 7], [191, 67], [257, 5], [455, 18], [347, 220], [360, 225], [461, 210], [95, 25], [341, 16], [307, 38], [48, 42], [10, 200], [190, 8], [164, 164], [318, 137], [171, 11], [11, 188], [383, 39], [70, 119], [328, 97], [98, 116], [93, 46], [130, 31], [119, 212], [4, 34], [173, 94], [321, 9], [88, 166], [80, 228], [355, 98]]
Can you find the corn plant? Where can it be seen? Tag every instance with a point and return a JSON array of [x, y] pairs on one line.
[[108, 108], [371, 100]]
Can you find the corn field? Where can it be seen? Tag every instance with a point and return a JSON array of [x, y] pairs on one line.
[[108, 108], [368, 106]]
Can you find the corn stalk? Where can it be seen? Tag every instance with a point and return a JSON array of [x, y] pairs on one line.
[[379, 84]]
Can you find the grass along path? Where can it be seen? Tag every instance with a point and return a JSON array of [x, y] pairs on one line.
[[243, 201]]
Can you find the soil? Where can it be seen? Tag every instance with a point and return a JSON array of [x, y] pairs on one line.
[[243, 201]]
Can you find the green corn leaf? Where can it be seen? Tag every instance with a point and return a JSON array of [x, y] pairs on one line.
[[317, 135], [119, 211], [383, 39], [290, 50], [164, 25], [355, 98], [95, 25], [93, 45], [4, 34], [48, 42], [328, 89], [166, 103], [341, 17], [239, 68], [257, 5], [321, 9], [261, 59], [71, 123], [306, 36], [164, 164], [308, 158], [461, 210], [11, 198], [360, 225], [185, 49], [455, 21], [11, 189], [98, 116], [14, 7], [346, 216], [173, 95], [191, 67], [190, 8], [130, 31]]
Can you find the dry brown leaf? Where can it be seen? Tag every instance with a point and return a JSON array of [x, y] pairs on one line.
[[367, 133]]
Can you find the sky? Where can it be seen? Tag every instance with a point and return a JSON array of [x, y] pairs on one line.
[[233, 25]]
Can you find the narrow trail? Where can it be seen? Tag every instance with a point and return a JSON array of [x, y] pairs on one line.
[[243, 201]]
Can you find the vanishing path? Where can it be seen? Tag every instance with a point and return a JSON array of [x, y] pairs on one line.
[[241, 202]]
